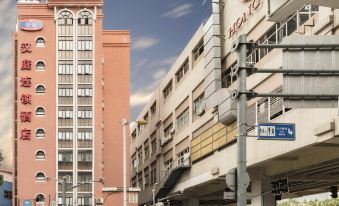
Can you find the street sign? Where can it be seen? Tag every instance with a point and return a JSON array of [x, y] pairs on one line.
[[280, 187], [31, 25], [231, 179], [276, 131], [27, 203]]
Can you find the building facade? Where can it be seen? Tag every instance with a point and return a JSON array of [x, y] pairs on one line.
[[183, 154], [6, 188], [68, 76]]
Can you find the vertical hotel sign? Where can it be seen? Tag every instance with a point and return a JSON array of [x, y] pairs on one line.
[[244, 17]]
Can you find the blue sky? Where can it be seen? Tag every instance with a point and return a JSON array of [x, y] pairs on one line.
[[160, 29]]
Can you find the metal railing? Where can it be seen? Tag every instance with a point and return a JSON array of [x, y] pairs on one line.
[[291, 25], [186, 161]]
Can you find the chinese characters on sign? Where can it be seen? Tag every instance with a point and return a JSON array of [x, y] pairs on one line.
[[26, 98]]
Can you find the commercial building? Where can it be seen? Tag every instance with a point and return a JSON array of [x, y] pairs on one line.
[[71, 88], [6, 190], [184, 153]]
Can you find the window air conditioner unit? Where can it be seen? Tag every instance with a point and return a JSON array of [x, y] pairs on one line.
[[172, 131], [99, 201], [200, 111]]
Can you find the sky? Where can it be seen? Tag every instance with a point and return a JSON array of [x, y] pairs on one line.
[[160, 29]]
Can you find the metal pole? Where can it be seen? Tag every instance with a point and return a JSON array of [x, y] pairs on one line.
[[153, 192], [124, 124], [242, 110], [64, 190]]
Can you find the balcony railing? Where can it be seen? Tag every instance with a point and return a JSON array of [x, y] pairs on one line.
[[287, 28]]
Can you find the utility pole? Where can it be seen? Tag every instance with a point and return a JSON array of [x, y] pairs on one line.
[[64, 190], [124, 124], [242, 110]]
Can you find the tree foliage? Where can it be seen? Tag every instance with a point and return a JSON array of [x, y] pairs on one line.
[[331, 202]]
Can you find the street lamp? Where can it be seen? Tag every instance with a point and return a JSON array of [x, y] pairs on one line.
[[64, 186], [153, 192], [124, 124]]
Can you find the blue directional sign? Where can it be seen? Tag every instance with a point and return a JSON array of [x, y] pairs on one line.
[[27, 203], [276, 131]]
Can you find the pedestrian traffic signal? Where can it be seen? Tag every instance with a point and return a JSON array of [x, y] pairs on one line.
[[334, 191]]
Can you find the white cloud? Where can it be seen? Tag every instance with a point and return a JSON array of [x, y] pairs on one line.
[[179, 11], [142, 43], [140, 98], [159, 74]]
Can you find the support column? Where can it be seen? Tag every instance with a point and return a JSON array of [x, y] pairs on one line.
[[261, 193], [193, 201]]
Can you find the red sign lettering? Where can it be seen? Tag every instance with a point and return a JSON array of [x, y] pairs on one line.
[[26, 81], [26, 116], [26, 99], [25, 134], [25, 47], [26, 65], [243, 18]]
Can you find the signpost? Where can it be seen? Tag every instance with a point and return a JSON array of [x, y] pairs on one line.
[[27, 203], [276, 131]]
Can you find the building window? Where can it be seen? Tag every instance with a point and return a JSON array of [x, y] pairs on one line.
[[40, 177], [146, 151], [67, 92], [133, 198], [182, 71], [65, 67], [85, 136], [65, 136], [88, 92], [8, 194], [65, 18], [40, 133], [85, 18], [199, 105], [40, 89], [198, 50], [134, 134], [146, 177], [65, 43], [84, 201], [85, 68], [182, 119], [85, 114], [183, 156], [140, 156], [40, 42], [40, 198], [153, 109], [40, 111], [40, 66], [154, 145], [140, 181], [40, 155], [85, 44], [168, 89], [85, 157], [65, 114], [153, 173], [65, 157], [168, 165], [167, 130], [146, 117]]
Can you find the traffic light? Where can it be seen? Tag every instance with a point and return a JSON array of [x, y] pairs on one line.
[[334, 191]]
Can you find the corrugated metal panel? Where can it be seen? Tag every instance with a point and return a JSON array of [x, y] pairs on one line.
[[311, 60]]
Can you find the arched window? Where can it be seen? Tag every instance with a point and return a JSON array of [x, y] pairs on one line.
[[40, 111], [65, 18], [85, 18], [40, 89], [40, 66], [40, 155], [40, 42], [40, 133], [40, 198], [40, 176]]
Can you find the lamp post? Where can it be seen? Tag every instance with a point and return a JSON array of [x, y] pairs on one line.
[[124, 124], [153, 192], [63, 182]]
